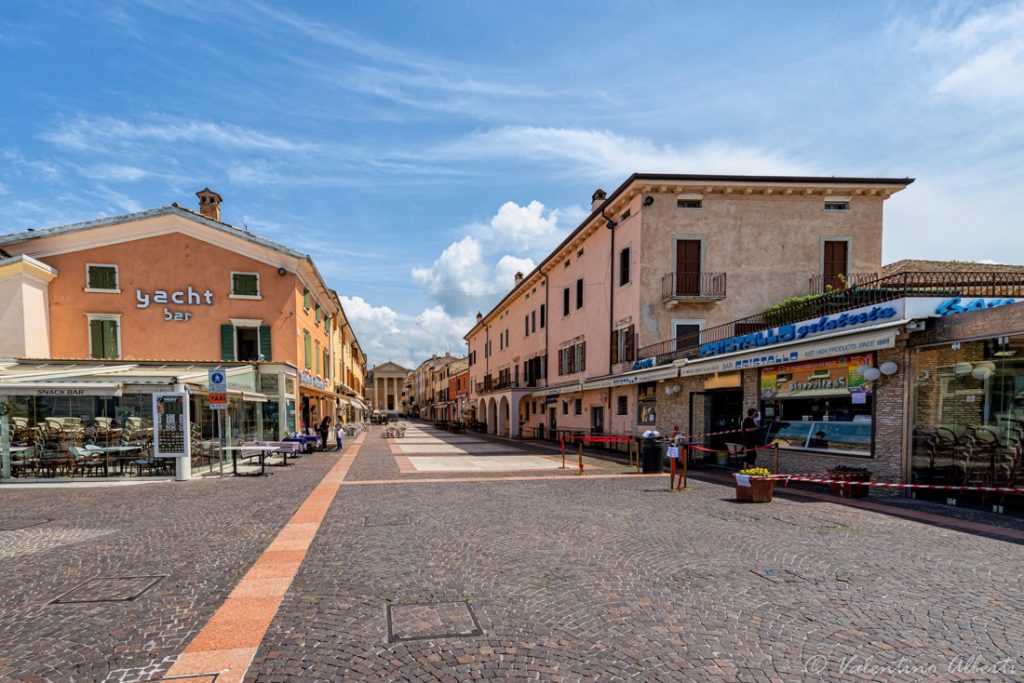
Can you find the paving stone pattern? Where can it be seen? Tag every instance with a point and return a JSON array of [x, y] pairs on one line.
[[202, 535], [617, 579]]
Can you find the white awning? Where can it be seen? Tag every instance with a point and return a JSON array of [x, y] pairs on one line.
[[555, 391], [61, 389], [863, 341], [633, 377]]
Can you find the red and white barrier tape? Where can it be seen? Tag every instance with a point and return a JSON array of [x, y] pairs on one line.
[[884, 484]]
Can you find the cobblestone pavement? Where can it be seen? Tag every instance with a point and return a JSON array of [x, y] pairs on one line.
[[617, 579], [546, 577], [197, 538]]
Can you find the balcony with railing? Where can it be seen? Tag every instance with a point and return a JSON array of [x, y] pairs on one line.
[[877, 291], [490, 386], [823, 284], [692, 287]]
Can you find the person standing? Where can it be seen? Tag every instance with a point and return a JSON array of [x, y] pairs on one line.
[[751, 431], [324, 429], [339, 432]]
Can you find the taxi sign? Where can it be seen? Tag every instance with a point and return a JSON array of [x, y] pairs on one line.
[[218, 389]]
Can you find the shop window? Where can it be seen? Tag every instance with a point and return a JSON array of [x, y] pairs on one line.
[[101, 278], [245, 285], [647, 393], [622, 406], [104, 336]]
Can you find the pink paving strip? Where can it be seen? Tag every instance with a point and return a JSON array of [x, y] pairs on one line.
[[228, 642], [549, 477]]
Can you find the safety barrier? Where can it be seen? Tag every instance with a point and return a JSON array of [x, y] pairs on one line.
[[632, 448], [815, 479]]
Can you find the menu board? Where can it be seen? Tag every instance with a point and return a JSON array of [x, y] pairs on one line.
[[170, 425]]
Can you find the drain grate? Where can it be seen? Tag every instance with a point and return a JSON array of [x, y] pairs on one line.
[[16, 524], [109, 589], [386, 520], [431, 620]]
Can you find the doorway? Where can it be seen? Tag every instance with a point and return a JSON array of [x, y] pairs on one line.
[[714, 412], [597, 419]]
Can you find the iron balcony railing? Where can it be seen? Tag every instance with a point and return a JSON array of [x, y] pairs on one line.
[[693, 286], [502, 385], [880, 290], [823, 284]]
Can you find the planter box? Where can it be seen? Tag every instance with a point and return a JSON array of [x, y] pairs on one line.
[[754, 489], [850, 490]]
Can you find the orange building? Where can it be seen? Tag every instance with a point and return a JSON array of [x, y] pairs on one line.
[[182, 288]]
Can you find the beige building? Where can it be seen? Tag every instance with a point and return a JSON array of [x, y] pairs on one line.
[[580, 343], [349, 369], [384, 387], [429, 376]]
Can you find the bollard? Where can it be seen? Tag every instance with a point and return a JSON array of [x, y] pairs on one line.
[[686, 469], [776, 457], [563, 453], [581, 457], [672, 475]]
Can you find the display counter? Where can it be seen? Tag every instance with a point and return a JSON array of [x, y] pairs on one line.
[[841, 438]]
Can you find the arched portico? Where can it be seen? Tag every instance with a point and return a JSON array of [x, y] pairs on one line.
[[503, 417], [492, 417]]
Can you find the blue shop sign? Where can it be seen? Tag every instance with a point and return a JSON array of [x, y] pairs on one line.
[[643, 363], [953, 305], [798, 331], [313, 381]]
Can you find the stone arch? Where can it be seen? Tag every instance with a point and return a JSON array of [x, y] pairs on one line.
[[492, 417], [503, 417]]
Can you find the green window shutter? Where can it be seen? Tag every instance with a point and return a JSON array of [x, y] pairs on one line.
[[317, 357], [265, 342], [96, 337], [307, 299], [319, 314], [227, 342], [245, 284], [110, 349], [102, 277], [309, 350]]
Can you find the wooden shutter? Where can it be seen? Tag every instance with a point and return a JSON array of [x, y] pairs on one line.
[[96, 335], [308, 341], [630, 348], [615, 346], [265, 342], [835, 262], [561, 362], [688, 267], [583, 357], [227, 342]]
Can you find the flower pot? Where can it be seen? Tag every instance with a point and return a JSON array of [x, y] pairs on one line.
[[754, 489], [849, 490], [722, 459]]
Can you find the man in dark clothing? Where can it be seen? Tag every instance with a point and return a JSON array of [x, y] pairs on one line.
[[324, 429], [751, 434]]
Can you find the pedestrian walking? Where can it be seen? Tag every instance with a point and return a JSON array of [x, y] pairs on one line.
[[338, 434], [324, 429], [751, 430]]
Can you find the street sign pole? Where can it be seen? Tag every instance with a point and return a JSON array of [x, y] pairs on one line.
[[219, 402]]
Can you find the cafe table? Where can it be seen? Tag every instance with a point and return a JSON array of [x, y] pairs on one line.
[[120, 454]]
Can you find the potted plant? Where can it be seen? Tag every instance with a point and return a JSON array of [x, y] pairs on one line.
[[841, 474], [754, 485]]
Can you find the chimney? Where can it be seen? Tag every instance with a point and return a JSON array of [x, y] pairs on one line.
[[597, 198], [519, 279], [479, 316], [209, 203]]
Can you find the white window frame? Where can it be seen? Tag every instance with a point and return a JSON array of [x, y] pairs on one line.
[[836, 200], [686, 321], [231, 285], [246, 323], [104, 316], [117, 278]]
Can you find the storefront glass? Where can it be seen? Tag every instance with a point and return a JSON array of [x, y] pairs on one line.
[[821, 405], [647, 394], [969, 414]]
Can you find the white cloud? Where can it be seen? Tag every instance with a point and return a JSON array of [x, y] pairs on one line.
[[982, 56], [523, 227], [459, 278], [115, 173], [407, 340], [602, 153], [84, 133]]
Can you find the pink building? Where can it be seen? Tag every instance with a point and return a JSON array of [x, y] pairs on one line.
[[584, 342]]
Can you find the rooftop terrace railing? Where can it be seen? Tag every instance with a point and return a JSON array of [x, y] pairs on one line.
[[877, 291]]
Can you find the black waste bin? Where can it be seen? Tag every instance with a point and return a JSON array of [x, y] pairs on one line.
[[652, 458]]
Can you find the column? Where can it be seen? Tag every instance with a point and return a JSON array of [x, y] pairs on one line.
[[376, 392]]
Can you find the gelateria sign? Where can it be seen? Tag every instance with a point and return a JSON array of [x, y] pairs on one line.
[[841, 322], [312, 381], [178, 297]]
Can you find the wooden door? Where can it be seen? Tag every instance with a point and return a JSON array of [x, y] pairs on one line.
[[835, 263], [687, 267]]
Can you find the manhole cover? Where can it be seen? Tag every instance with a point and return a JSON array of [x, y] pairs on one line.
[[109, 589], [386, 520], [431, 620], [15, 524]]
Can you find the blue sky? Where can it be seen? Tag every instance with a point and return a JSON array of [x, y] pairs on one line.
[[424, 152]]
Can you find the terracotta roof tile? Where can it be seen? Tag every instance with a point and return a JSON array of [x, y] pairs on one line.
[[922, 266]]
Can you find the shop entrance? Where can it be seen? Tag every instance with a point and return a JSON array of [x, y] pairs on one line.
[[597, 419], [716, 411]]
